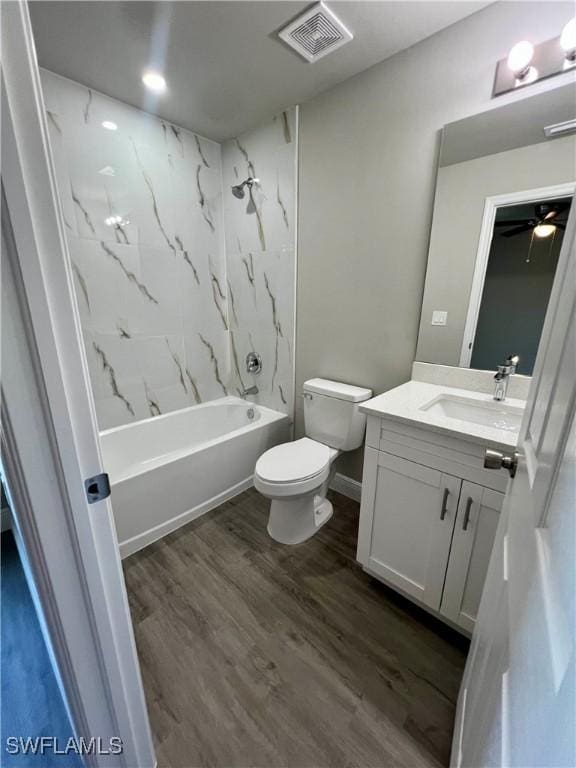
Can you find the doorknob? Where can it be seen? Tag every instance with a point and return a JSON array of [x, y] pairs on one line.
[[497, 460]]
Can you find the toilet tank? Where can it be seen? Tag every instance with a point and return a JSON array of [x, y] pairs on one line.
[[332, 415]]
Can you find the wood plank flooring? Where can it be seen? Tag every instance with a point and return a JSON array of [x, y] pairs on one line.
[[257, 654]]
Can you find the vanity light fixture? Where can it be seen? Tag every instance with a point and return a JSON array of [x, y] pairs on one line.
[[109, 125], [529, 62], [519, 59], [154, 81], [568, 41]]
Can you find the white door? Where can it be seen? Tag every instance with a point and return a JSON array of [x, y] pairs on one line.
[[472, 542], [408, 512], [517, 701], [49, 433]]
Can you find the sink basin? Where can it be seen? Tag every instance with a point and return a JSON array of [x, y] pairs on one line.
[[489, 413]]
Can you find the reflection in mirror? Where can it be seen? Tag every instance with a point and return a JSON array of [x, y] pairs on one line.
[[503, 195], [513, 281]]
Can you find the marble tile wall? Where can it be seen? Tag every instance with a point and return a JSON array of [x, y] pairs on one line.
[[143, 212], [261, 257]]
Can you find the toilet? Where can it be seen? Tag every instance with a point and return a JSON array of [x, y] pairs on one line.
[[296, 476]]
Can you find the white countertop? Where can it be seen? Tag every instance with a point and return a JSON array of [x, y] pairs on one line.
[[404, 404]]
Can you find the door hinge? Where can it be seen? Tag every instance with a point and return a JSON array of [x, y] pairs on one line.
[[97, 487]]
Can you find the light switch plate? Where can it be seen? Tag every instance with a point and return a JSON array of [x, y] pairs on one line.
[[439, 317]]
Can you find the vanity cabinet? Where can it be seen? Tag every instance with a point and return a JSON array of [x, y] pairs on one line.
[[428, 517], [407, 539], [472, 541]]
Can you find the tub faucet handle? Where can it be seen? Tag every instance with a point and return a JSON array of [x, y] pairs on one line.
[[253, 363]]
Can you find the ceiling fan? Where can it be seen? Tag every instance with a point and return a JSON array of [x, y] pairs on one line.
[[548, 217]]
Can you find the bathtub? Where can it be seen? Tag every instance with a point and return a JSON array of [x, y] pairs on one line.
[[170, 469]]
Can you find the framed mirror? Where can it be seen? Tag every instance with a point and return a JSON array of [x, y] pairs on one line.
[[505, 183]]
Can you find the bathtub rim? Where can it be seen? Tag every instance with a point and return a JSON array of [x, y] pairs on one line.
[[270, 415], [231, 399]]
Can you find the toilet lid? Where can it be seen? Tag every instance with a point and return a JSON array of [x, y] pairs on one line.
[[288, 462]]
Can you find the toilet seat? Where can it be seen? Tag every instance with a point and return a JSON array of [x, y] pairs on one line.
[[291, 469], [288, 462]]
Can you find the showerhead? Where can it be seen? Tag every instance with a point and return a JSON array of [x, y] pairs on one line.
[[238, 189]]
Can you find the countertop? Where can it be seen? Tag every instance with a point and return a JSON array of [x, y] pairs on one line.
[[404, 404]]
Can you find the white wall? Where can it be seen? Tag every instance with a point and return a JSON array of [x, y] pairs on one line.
[[151, 294], [261, 257], [171, 303], [368, 151]]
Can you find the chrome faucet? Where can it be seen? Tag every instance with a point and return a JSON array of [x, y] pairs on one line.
[[502, 376], [249, 391]]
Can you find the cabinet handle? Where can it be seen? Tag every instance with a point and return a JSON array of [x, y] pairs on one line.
[[469, 503], [444, 504]]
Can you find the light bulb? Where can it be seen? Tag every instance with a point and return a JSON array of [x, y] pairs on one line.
[[154, 81], [568, 39], [544, 230], [520, 57], [109, 125]]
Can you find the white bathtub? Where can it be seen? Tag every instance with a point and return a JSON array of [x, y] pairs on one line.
[[168, 470]]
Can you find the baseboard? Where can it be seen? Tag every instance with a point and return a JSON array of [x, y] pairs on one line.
[[136, 543], [347, 486]]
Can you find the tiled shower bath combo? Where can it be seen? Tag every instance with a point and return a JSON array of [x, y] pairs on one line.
[[177, 280]]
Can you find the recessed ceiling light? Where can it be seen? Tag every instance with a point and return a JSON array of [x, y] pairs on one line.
[[109, 125], [154, 82]]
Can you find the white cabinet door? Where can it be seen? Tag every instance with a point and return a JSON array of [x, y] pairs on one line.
[[406, 522], [476, 524]]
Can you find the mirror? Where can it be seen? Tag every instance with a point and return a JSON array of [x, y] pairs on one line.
[[503, 195]]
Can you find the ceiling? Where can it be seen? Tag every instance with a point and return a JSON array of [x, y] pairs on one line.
[[225, 67]]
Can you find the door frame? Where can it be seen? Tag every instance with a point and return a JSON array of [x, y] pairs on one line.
[[514, 577], [49, 431], [491, 205]]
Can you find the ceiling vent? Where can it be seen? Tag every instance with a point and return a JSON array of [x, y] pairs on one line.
[[316, 33]]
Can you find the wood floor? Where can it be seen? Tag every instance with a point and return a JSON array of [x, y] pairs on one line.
[[257, 654]]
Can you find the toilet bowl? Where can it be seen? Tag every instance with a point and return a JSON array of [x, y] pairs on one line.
[[296, 476]]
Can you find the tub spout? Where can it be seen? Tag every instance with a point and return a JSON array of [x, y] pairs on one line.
[[250, 391]]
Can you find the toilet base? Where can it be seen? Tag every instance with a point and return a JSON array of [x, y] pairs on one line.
[[293, 521]]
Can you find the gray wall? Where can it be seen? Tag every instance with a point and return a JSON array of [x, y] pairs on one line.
[[368, 152]]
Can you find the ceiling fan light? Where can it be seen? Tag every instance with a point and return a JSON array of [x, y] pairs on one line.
[[544, 230]]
